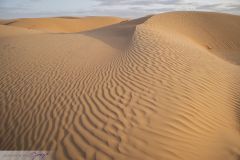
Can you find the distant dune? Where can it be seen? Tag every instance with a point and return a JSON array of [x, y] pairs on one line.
[[161, 87], [63, 24]]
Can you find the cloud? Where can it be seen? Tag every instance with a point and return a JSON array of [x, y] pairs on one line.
[[122, 8], [136, 2], [136, 8]]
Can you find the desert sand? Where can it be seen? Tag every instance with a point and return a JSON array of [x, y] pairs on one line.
[[161, 87], [62, 24]]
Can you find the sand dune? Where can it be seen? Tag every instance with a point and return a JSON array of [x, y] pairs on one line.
[[210, 30], [9, 31], [162, 87], [63, 24]]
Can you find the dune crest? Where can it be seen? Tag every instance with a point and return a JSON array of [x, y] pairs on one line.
[[160, 87], [215, 32]]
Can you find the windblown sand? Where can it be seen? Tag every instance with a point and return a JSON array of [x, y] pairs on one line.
[[162, 87]]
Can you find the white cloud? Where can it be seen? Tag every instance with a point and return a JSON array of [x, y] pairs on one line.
[[122, 8]]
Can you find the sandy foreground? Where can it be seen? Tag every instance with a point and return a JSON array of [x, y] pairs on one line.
[[161, 87]]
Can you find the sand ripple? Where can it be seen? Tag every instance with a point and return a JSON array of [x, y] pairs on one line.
[[164, 95]]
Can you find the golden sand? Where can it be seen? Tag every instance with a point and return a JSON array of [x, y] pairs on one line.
[[162, 87]]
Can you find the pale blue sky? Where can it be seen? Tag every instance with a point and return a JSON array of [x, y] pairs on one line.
[[121, 8]]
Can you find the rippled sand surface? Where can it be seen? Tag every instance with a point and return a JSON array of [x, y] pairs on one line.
[[162, 87]]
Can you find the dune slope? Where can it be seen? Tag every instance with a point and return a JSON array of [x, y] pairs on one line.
[[218, 33], [9, 31], [164, 87], [63, 24]]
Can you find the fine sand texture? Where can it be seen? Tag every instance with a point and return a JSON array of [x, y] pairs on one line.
[[161, 87]]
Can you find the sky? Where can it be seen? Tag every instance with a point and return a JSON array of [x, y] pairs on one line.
[[120, 8]]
